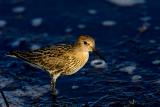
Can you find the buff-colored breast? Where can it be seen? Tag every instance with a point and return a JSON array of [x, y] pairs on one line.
[[75, 62]]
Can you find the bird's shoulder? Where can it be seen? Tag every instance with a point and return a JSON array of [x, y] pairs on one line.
[[54, 50]]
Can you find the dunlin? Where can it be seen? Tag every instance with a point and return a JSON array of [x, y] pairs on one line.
[[61, 59]]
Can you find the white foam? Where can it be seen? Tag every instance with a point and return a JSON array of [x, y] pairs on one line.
[[14, 100], [36, 22], [136, 78], [2, 23], [152, 41], [18, 41], [129, 69], [126, 2], [98, 63], [146, 18], [156, 62], [68, 30], [35, 46], [108, 23], [81, 26], [157, 27], [157, 81], [5, 81], [74, 87], [19, 9], [34, 91], [144, 27], [28, 92], [92, 11]]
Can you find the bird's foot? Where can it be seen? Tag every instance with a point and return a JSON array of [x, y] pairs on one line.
[[54, 94]]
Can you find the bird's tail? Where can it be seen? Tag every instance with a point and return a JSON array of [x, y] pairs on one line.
[[25, 56], [14, 54]]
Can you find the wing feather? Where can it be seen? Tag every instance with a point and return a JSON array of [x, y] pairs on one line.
[[47, 58]]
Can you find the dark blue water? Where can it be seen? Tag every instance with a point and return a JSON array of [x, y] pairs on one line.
[[132, 76]]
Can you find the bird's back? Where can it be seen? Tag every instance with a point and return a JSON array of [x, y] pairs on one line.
[[43, 57], [60, 58]]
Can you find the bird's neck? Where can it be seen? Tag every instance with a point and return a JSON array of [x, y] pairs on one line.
[[81, 53], [79, 47]]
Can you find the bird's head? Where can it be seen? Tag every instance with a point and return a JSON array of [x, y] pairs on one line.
[[86, 43]]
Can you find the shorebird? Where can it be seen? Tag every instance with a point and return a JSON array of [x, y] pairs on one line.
[[61, 59]]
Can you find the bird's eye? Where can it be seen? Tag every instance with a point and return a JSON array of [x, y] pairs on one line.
[[85, 42]]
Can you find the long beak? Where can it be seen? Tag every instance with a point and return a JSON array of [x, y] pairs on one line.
[[98, 54]]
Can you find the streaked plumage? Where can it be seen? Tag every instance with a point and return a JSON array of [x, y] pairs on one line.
[[62, 59]]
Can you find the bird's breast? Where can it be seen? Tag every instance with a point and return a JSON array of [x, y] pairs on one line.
[[76, 62]]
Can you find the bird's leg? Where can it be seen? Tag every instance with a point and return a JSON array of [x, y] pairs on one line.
[[53, 92], [53, 84], [53, 87]]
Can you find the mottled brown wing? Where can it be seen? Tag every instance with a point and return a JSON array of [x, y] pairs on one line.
[[54, 51], [46, 58]]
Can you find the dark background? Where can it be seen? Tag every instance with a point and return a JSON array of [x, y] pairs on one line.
[[124, 44]]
